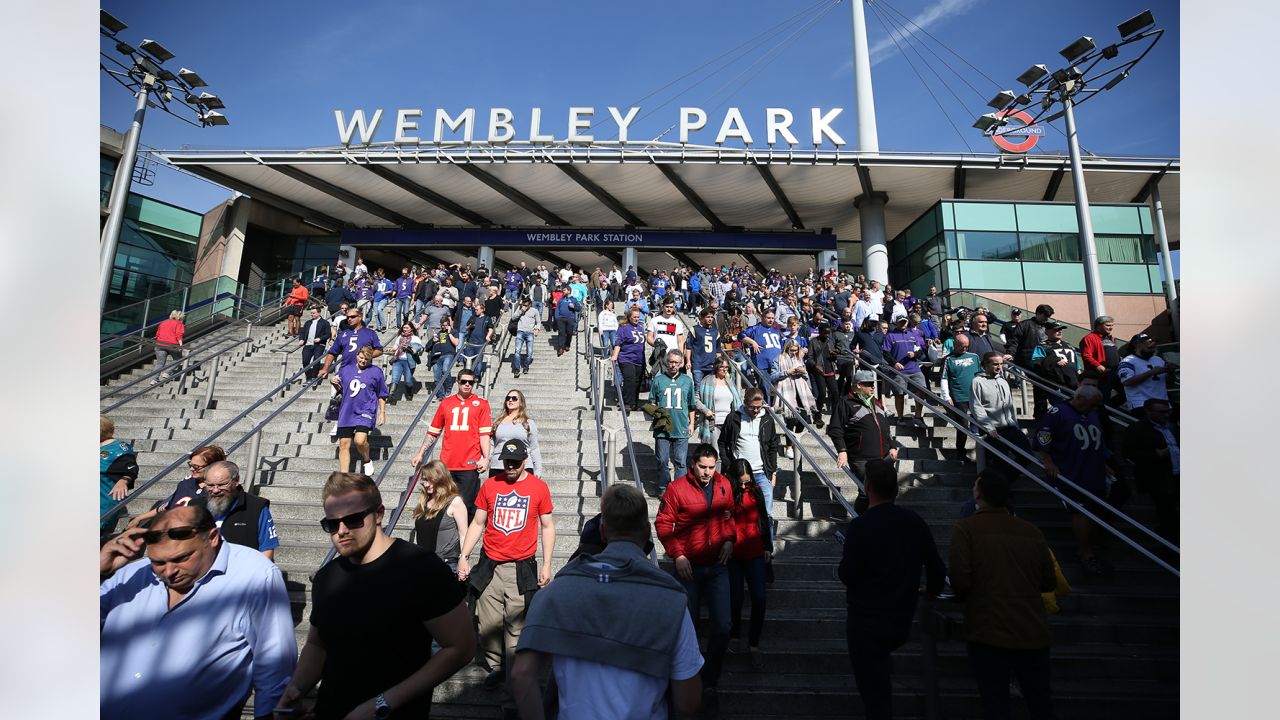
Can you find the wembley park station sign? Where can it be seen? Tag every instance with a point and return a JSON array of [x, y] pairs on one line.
[[414, 127]]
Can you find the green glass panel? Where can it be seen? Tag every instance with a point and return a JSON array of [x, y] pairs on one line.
[[952, 281], [1124, 248], [152, 212], [971, 245], [985, 216], [948, 215], [1125, 278], [1115, 219], [1157, 283], [1053, 277], [1144, 217], [920, 232], [978, 275], [1047, 218]]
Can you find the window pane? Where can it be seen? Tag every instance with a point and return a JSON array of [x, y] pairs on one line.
[[991, 275], [985, 216], [1125, 278], [1047, 218], [986, 245], [1113, 219], [1053, 277], [952, 281], [1119, 248], [1050, 247]]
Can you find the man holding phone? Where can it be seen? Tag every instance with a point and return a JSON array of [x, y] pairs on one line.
[[194, 598]]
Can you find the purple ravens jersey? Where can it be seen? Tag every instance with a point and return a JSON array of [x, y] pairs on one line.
[[1074, 441], [360, 392], [349, 341]]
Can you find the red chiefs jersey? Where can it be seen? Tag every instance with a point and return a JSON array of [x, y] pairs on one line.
[[465, 422], [514, 510]]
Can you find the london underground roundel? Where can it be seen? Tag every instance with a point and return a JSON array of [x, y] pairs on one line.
[[1022, 137]]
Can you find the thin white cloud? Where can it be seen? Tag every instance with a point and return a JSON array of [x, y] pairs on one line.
[[884, 48]]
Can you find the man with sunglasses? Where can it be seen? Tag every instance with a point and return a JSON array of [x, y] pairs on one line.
[[379, 593], [465, 422], [349, 341], [193, 598]]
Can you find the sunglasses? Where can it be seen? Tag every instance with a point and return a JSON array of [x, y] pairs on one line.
[[151, 537], [866, 384], [513, 398], [466, 382], [197, 468], [354, 521]]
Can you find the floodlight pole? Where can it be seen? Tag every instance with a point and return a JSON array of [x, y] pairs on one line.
[[1088, 250], [870, 204], [1166, 258], [120, 195]]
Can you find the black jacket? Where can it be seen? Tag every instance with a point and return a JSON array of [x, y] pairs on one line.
[[859, 431], [1142, 443], [322, 332], [769, 442], [1023, 339], [240, 526], [823, 355], [870, 344]]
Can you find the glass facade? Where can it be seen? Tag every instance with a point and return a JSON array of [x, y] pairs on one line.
[[1023, 246], [157, 250]]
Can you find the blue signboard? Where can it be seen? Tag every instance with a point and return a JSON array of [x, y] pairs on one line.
[[584, 239]]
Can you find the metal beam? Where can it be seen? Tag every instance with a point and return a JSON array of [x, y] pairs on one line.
[[1055, 180], [864, 177], [427, 194], [957, 183], [685, 259], [345, 196], [759, 266], [780, 196], [1145, 192], [289, 206], [512, 194], [549, 257], [692, 197], [601, 194]]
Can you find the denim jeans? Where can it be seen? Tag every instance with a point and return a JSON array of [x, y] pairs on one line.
[[766, 488], [541, 308], [674, 451], [402, 370], [419, 307], [710, 583], [606, 340], [523, 356], [752, 572], [379, 321], [402, 310], [512, 295], [697, 377], [438, 374]]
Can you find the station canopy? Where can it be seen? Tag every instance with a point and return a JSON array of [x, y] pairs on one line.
[[655, 186]]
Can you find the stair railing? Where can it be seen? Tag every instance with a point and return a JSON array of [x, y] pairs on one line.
[[188, 368]]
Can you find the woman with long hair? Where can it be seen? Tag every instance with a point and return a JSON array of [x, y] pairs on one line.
[[404, 352], [791, 380], [440, 515], [717, 397], [752, 552], [513, 423]]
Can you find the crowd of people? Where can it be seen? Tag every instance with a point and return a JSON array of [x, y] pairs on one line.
[[613, 631]]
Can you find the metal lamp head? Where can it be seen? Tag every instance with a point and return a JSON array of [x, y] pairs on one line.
[[1033, 74], [986, 122], [109, 22], [209, 100], [213, 117], [191, 78], [1133, 25], [1001, 100], [156, 50], [1082, 45]]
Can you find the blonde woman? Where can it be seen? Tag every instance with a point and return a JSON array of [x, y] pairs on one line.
[[514, 424], [440, 513], [791, 380]]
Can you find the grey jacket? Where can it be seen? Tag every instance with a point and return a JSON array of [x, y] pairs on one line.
[[992, 402], [528, 321]]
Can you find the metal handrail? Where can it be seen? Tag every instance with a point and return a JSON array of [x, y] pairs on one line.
[[943, 410], [390, 525], [190, 366], [1062, 392], [186, 360], [631, 450], [597, 409], [183, 458]]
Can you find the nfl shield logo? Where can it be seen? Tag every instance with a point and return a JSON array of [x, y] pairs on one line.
[[510, 511]]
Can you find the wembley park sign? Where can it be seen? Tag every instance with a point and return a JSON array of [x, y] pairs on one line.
[[413, 127]]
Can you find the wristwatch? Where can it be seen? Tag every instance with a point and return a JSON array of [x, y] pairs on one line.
[[381, 709]]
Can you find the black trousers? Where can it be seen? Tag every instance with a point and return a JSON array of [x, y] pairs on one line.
[[992, 668], [631, 384], [468, 487], [825, 392], [870, 644], [565, 327], [309, 353]]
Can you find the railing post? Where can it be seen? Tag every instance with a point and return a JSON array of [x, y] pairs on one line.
[[284, 371], [1023, 386], [185, 376], [186, 295], [797, 468], [213, 379], [255, 449], [262, 301]]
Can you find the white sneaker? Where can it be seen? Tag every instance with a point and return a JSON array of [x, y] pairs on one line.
[[368, 469], [333, 431]]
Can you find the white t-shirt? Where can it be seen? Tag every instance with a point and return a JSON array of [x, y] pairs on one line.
[[667, 329], [748, 447], [1153, 387], [590, 690], [608, 321]]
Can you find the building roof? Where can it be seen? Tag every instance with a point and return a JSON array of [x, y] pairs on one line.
[[654, 185]]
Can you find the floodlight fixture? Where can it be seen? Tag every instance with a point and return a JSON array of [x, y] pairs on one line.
[[144, 64], [125, 48], [110, 22], [210, 101], [213, 117], [1023, 99], [1141, 21], [1061, 75], [988, 121], [1001, 100], [1110, 52], [1116, 80], [1032, 75], [191, 78], [1082, 45], [156, 50], [167, 76]]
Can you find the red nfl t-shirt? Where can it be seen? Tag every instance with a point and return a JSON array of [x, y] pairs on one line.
[[514, 509], [465, 420]]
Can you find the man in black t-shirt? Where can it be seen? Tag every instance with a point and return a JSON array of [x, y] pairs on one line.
[[383, 595]]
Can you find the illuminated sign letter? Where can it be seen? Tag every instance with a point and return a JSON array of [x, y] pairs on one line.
[[580, 119], [779, 123], [345, 130], [404, 125], [687, 122], [535, 125], [500, 127], [734, 126], [822, 126], [623, 122], [466, 121]]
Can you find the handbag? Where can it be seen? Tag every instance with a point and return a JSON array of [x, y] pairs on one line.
[[335, 403], [513, 326]]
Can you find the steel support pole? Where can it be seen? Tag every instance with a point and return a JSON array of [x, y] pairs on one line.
[[875, 248], [120, 195], [284, 371], [146, 312], [1088, 250], [1166, 258], [797, 468], [213, 379], [255, 449], [864, 101]]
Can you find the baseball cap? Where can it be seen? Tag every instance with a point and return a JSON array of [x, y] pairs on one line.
[[899, 318], [1140, 337], [1050, 327], [514, 450], [864, 376]]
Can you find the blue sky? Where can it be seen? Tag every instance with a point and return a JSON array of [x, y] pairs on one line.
[[283, 67]]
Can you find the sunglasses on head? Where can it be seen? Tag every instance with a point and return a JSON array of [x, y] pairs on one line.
[[354, 521], [151, 537]]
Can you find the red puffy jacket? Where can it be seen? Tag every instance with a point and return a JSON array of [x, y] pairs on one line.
[[689, 526]]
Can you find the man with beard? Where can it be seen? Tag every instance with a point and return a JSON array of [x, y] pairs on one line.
[[1143, 373], [417, 600], [242, 518]]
